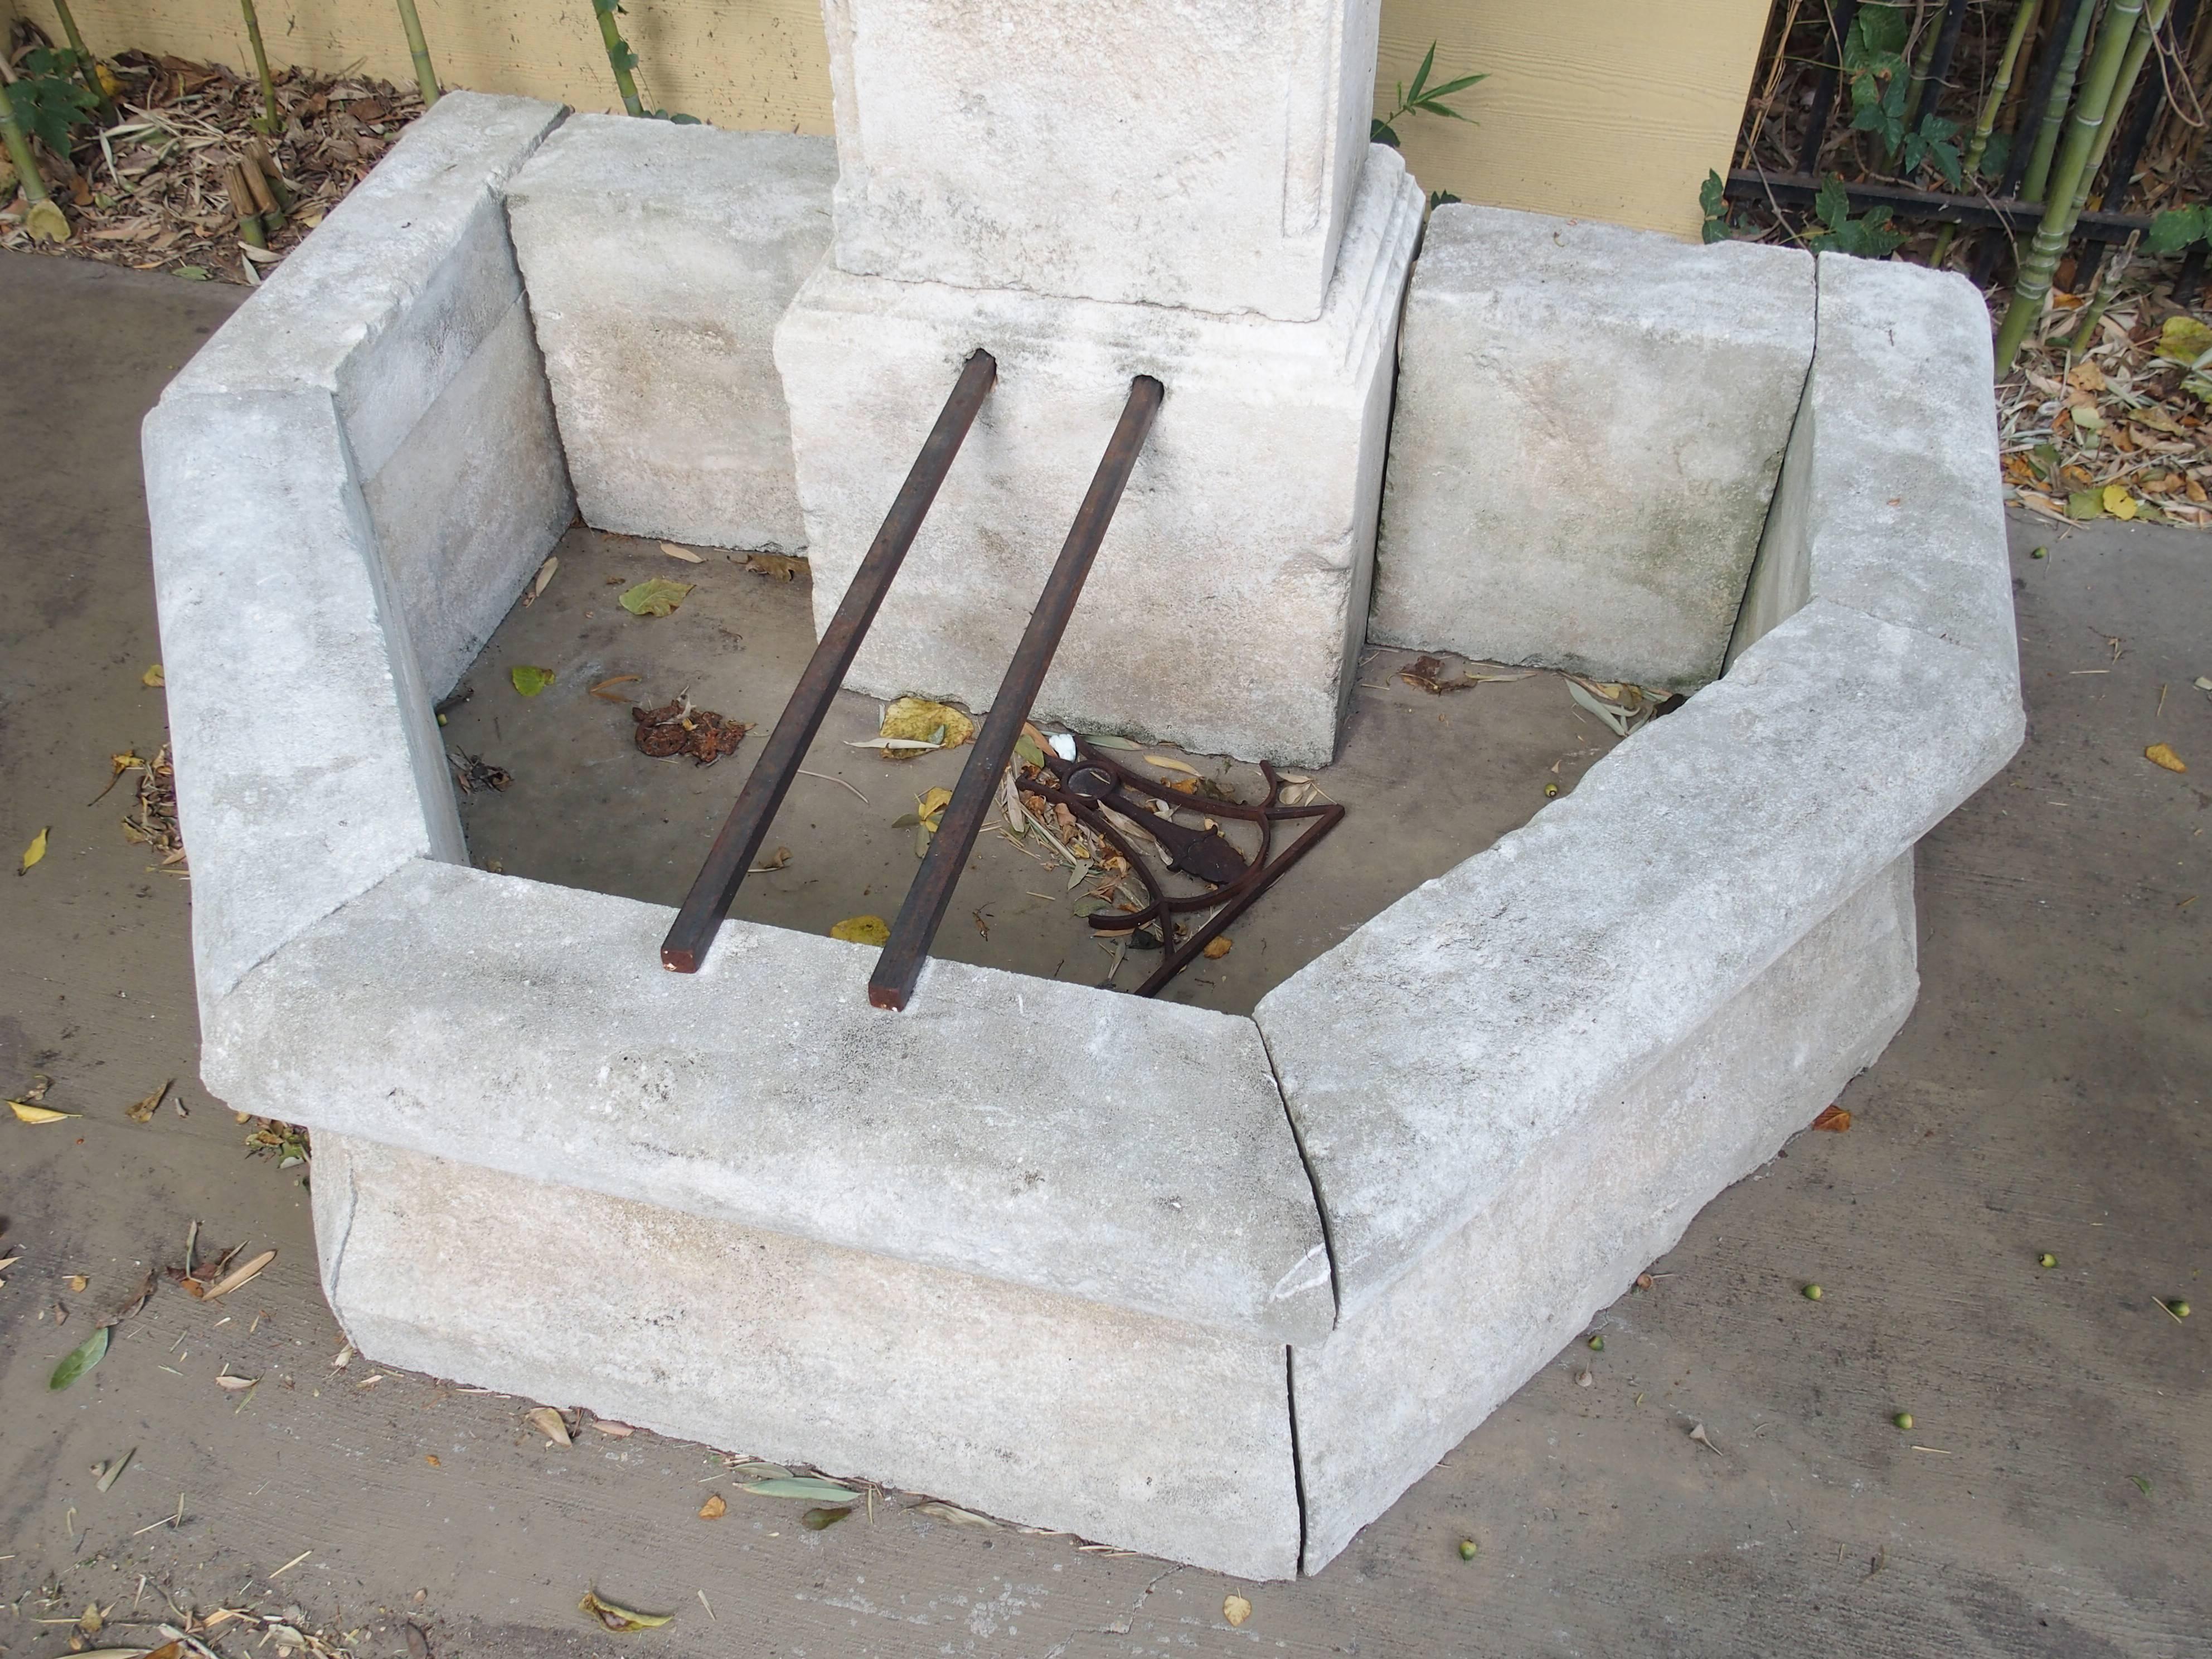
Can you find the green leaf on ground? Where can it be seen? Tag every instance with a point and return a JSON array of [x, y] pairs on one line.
[[79, 1360], [528, 680], [657, 596]]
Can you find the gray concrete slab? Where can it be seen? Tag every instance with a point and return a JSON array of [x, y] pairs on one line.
[[2048, 1093]]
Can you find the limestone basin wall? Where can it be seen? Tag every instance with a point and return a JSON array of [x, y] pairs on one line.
[[1214, 1288]]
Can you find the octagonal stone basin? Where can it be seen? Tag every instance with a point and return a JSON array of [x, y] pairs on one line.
[[1214, 1287]]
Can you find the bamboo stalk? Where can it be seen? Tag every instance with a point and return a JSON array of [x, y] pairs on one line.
[[264, 200], [2032, 285], [240, 193], [426, 78], [258, 158], [1934, 64], [620, 58], [2036, 181], [43, 217], [2139, 49], [87, 68], [271, 120], [1985, 125]]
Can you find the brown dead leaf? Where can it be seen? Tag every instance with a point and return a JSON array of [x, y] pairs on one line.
[[1218, 946], [78, 1281], [1832, 1118], [549, 1423], [613, 1431], [1236, 1609], [714, 1507], [620, 1618], [144, 1111], [601, 692], [776, 566], [683, 553], [2160, 754], [235, 1384]]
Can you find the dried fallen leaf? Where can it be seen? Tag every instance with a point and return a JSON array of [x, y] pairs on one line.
[[77, 1281], [109, 1471], [620, 1618], [237, 1277], [1218, 946], [537, 583], [153, 676], [79, 1360], [918, 719], [656, 596], [683, 553], [1698, 1434], [778, 567], [714, 1507], [1236, 1609], [142, 1111], [862, 930], [34, 853], [1170, 765], [601, 692], [549, 1423], [35, 1114], [954, 1513], [1832, 1118], [613, 1431], [2160, 754], [530, 680], [817, 1519], [235, 1384], [2118, 502]]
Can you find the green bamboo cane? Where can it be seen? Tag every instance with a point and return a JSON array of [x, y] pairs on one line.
[[44, 219], [1923, 60], [2023, 22], [2037, 179], [619, 55], [425, 77], [86, 68], [2139, 49], [2032, 285], [271, 120]]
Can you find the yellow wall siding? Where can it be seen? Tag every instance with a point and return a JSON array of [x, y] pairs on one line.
[[1604, 109]]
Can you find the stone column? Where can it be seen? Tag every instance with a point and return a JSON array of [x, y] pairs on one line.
[[1091, 192]]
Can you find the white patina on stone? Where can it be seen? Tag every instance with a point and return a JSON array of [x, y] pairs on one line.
[[1545, 975], [406, 294], [963, 1388], [1397, 1387], [1048, 1134], [1589, 424], [1150, 151], [657, 259], [1886, 503], [1227, 603], [308, 763]]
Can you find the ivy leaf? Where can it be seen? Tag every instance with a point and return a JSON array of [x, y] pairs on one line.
[[2175, 229], [1833, 205]]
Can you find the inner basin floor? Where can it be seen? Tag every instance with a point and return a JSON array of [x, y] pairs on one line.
[[1426, 778], [2048, 1094]]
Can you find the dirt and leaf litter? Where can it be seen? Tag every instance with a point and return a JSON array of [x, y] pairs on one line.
[[149, 188], [2118, 426], [1428, 779]]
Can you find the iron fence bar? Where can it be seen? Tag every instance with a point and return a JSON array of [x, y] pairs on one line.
[[900, 963], [1840, 16], [716, 885], [1798, 190]]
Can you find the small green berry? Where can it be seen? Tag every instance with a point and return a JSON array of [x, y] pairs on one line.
[[2180, 1310], [2046, 1260], [1812, 1292], [1467, 1548], [1903, 1419], [1597, 1345], [2039, 553]]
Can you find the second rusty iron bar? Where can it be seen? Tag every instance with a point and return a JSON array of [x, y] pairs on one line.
[[732, 855], [900, 963]]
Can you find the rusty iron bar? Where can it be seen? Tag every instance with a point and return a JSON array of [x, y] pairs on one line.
[[900, 963], [731, 856]]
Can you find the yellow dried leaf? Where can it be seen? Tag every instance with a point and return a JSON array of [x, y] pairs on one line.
[[683, 553], [714, 1508], [1219, 947], [917, 720], [2159, 754], [549, 1423], [152, 676], [1170, 765], [862, 930], [1236, 1609], [78, 1281], [2118, 502], [932, 803], [30, 1113], [620, 1618], [142, 1111], [34, 851]]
